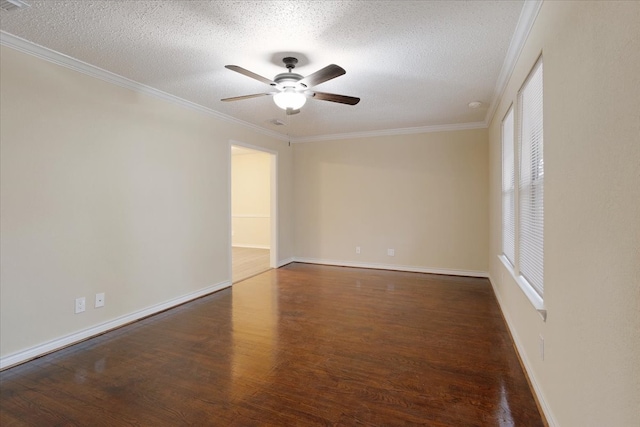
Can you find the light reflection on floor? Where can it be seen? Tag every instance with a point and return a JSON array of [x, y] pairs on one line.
[[255, 336], [503, 412]]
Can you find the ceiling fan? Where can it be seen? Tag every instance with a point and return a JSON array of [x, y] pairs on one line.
[[292, 90]]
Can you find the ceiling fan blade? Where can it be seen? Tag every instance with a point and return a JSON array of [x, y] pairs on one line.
[[238, 98], [251, 74], [342, 99], [327, 73]]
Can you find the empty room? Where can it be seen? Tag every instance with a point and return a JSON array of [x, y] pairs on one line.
[[443, 196]]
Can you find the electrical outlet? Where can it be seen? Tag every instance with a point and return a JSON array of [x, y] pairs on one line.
[[391, 252], [80, 304], [541, 347], [357, 249], [99, 300]]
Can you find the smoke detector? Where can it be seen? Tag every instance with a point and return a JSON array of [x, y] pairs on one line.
[[12, 5]]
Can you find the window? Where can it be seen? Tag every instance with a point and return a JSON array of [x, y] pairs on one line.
[[531, 182], [523, 190], [508, 190]]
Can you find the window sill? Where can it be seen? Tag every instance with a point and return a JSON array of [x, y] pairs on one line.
[[533, 297]]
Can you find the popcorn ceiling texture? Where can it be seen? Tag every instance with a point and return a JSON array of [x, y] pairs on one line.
[[413, 64]]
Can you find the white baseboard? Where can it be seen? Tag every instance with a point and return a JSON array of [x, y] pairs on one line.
[[410, 268], [56, 344], [285, 262], [525, 361], [252, 246]]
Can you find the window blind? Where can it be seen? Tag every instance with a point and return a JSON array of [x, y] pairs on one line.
[[508, 190], [531, 182]]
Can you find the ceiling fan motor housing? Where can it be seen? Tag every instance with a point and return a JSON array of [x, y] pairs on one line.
[[289, 80]]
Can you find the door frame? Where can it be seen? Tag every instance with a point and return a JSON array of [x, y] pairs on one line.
[[273, 200]]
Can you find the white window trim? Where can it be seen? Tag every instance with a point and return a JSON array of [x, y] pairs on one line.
[[530, 292], [514, 182], [534, 298]]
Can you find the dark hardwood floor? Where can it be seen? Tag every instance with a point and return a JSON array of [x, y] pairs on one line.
[[302, 345]]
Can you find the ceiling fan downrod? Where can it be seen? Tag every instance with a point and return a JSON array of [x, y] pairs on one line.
[[290, 62]]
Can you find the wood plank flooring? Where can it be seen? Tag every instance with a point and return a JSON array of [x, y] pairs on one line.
[[302, 345], [247, 262]]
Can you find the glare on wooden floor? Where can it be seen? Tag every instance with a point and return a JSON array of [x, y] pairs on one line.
[[248, 262]]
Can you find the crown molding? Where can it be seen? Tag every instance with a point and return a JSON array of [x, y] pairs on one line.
[[528, 16], [25, 46], [392, 132]]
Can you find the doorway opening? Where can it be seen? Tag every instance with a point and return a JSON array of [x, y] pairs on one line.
[[253, 211]]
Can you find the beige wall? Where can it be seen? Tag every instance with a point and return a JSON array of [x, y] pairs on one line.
[[424, 195], [251, 200], [107, 190], [590, 375]]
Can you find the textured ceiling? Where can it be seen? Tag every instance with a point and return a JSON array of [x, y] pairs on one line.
[[412, 63]]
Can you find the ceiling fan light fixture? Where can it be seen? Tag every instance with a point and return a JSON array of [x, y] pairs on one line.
[[292, 88], [289, 99]]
